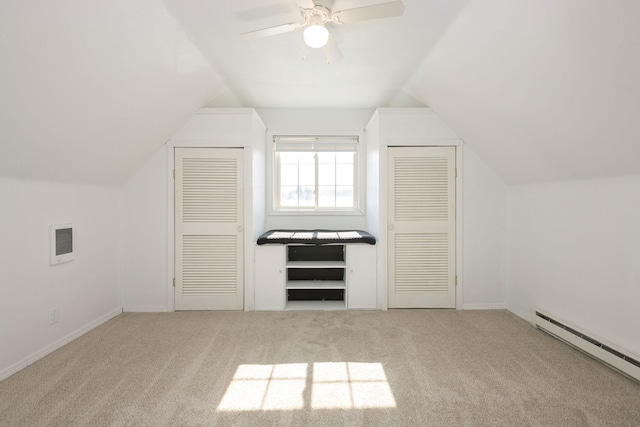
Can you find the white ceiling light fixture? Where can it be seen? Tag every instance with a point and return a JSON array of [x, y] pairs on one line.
[[320, 13], [316, 36]]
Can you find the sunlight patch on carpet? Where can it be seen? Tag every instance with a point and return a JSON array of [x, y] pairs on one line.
[[347, 385], [266, 388], [332, 385]]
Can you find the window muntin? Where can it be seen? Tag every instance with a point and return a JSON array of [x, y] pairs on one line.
[[316, 173]]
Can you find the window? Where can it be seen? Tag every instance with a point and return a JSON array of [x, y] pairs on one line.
[[316, 173]]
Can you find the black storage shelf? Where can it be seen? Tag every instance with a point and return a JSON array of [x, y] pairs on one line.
[[316, 276]]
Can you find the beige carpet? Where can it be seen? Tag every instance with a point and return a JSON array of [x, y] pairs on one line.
[[396, 368]]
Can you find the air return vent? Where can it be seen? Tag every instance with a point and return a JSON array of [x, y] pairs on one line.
[[61, 243], [599, 349]]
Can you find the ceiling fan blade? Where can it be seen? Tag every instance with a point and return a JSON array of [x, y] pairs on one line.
[[271, 31], [334, 54], [376, 11]]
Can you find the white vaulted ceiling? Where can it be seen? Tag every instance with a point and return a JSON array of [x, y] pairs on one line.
[[379, 55], [89, 89], [540, 89]]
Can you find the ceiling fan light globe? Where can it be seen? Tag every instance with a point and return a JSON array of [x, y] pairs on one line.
[[316, 36]]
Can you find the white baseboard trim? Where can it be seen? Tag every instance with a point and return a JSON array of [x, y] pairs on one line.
[[148, 309], [526, 315], [7, 372], [484, 306]]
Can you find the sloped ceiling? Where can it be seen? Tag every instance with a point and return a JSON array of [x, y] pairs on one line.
[[541, 89], [89, 89], [379, 55]]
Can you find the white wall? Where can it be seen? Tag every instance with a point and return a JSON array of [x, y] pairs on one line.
[[483, 209], [316, 119], [485, 234], [574, 251], [85, 290], [145, 231], [146, 204], [145, 207]]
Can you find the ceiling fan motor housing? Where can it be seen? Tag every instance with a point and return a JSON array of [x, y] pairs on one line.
[[325, 4], [320, 13]]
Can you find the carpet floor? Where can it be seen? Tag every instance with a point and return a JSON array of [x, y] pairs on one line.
[[364, 368]]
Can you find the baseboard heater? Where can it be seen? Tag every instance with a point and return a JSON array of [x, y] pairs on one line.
[[572, 335]]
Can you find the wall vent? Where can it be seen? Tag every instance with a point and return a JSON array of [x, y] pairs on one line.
[[615, 357], [61, 243]]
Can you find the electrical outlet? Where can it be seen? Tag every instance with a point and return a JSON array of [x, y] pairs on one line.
[[54, 314]]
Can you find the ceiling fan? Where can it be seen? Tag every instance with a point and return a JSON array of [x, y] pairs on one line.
[[320, 13]]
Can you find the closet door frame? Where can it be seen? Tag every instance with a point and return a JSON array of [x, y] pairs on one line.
[[382, 244], [209, 205], [421, 227], [247, 220]]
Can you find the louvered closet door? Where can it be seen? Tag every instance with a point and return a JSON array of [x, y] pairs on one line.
[[209, 215], [421, 229]]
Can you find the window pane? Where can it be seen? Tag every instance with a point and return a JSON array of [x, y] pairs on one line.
[[307, 198], [344, 175], [344, 197], [327, 175], [288, 158], [307, 174], [289, 196], [326, 196], [307, 158], [327, 158], [289, 175], [344, 157]]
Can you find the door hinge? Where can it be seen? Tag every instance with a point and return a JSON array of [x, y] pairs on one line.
[[174, 174], [174, 282], [456, 173], [456, 281]]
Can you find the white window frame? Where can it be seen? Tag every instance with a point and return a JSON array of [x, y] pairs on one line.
[[273, 184]]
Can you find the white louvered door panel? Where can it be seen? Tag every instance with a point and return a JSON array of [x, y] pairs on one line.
[[209, 216], [421, 231]]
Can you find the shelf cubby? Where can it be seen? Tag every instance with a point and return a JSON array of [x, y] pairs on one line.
[[315, 277]]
